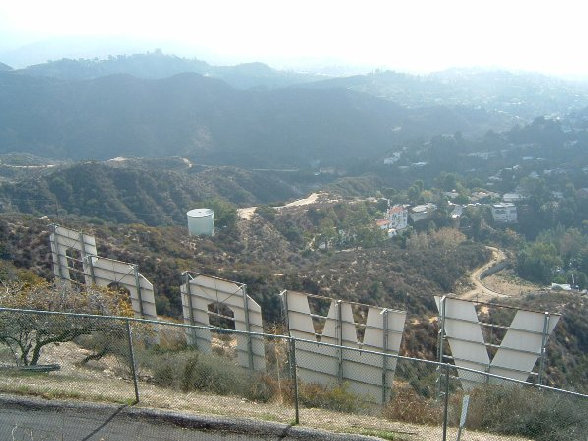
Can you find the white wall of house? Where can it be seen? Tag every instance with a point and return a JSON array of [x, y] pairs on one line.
[[506, 213]]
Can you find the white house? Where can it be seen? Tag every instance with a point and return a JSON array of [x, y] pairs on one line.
[[506, 213], [398, 217]]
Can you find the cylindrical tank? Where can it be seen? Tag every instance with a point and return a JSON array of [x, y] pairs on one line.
[[201, 222]]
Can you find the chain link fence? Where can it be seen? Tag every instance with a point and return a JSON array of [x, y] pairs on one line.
[[124, 360]]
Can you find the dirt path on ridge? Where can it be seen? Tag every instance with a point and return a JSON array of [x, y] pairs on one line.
[[247, 213], [480, 291]]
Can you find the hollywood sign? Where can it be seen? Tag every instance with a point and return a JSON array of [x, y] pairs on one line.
[[515, 357], [329, 348], [75, 258]]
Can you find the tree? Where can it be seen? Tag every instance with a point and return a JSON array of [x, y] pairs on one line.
[[415, 190], [225, 213], [538, 262], [26, 334], [327, 232]]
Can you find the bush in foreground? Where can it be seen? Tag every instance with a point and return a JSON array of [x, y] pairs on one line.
[[540, 414]]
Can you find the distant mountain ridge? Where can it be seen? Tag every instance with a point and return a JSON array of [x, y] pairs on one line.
[[522, 96], [516, 94], [156, 65], [155, 105], [207, 121]]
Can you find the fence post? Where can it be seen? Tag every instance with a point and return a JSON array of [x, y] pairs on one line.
[[446, 402], [132, 361], [294, 378]]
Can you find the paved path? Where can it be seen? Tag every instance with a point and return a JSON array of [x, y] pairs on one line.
[[33, 419]]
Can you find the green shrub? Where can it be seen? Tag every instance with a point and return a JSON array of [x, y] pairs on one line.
[[189, 370], [337, 398], [535, 413]]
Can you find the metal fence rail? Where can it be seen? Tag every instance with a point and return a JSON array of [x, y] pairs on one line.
[[127, 360]]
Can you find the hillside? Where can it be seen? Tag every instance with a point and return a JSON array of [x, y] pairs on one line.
[[156, 65], [134, 191], [263, 254], [207, 121], [509, 97]]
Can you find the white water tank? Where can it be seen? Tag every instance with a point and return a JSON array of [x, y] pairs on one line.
[[201, 222]]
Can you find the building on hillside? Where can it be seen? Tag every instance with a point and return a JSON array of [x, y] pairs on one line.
[[511, 198], [482, 155], [456, 211], [582, 193], [396, 220], [451, 195], [382, 224], [398, 217], [504, 213], [483, 196], [392, 159], [422, 212]]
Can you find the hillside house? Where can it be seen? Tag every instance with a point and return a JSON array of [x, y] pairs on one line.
[[451, 195], [511, 198], [504, 213], [483, 196], [398, 217], [456, 212], [396, 220], [382, 224], [392, 159], [422, 212]]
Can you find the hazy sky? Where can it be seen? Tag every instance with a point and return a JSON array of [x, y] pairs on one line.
[[410, 35]]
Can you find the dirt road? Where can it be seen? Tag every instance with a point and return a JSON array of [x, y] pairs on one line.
[[480, 291], [247, 213]]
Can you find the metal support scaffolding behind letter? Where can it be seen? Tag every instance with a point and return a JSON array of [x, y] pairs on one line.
[[340, 341], [248, 328], [544, 338], [138, 286]]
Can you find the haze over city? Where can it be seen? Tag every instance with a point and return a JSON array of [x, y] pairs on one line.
[[418, 36]]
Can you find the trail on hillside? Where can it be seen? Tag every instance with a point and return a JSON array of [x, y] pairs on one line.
[[247, 213], [480, 291]]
